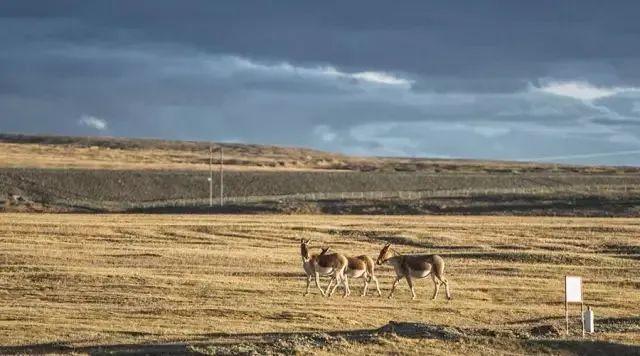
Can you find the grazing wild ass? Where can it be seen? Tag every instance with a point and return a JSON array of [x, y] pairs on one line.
[[414, 266], [360, 267], [326, 264]]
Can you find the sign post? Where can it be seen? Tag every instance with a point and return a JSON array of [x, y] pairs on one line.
[[573, 294]]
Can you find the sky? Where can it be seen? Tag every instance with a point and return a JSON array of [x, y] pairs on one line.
[[554, 81]]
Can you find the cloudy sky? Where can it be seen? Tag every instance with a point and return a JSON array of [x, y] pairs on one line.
[[544, 80]]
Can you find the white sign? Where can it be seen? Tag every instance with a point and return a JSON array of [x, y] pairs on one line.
[[573, 289]]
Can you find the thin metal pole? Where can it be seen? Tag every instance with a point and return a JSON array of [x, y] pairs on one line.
[[566, 315], [221, 177], [582, 316], [210, 176]]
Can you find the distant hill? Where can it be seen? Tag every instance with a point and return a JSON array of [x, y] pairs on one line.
[[31, 151], [101, 174]]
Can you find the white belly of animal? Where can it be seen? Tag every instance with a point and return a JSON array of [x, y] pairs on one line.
[[356, 273], [324, 270], [419, 273]]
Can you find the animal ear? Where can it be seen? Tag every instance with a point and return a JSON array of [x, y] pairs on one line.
[[301, 241], [309, 240], [387, 244], [324, 250]]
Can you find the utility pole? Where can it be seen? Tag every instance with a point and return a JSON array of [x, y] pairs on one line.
[[221, 177], [210, 176]]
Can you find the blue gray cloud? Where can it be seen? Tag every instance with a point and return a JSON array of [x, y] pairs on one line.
[[500, 80]]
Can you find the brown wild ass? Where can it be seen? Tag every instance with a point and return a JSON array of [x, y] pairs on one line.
[[414, 266], [326, 264], [360, 267]]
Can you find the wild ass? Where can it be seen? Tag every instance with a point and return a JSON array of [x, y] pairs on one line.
[[360, 267], [414, 266], [326, 264]]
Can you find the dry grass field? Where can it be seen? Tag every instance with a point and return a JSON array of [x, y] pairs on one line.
[[231, 284], [96, 157]]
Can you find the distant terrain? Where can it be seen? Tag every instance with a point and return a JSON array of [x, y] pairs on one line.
[[87, 174]]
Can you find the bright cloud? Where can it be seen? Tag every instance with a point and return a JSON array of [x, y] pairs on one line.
[[380, 77], [582, 90], [93, 122], [370, 77]]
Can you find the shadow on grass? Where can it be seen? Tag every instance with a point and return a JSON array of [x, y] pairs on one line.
[[584, 347], [215, 343], [290, 342]]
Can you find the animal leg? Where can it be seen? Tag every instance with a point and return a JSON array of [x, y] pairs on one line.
[[377, 285], [338, 280], [345, 283], [308, 284], [318, 283], [413, 292], [330, 284], [446, 286], [393, 286], [366, 285], [436, 285]]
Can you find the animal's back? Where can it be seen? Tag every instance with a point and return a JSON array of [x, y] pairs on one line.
[[334, 260], [425, 262]]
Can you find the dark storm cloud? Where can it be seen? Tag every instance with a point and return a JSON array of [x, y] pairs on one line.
[[501, 39], [460, 79]]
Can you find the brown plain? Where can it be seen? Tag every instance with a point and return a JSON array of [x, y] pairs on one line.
[[81, 280]]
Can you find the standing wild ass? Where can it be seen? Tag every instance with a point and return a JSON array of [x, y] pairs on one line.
[[332, 264], [360, 267], [414, 266]]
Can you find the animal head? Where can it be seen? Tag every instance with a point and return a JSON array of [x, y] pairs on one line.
[[304, 249], [385, 254]]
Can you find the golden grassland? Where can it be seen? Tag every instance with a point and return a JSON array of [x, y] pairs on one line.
[[82, 280], [139, 154], [25, 155]]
